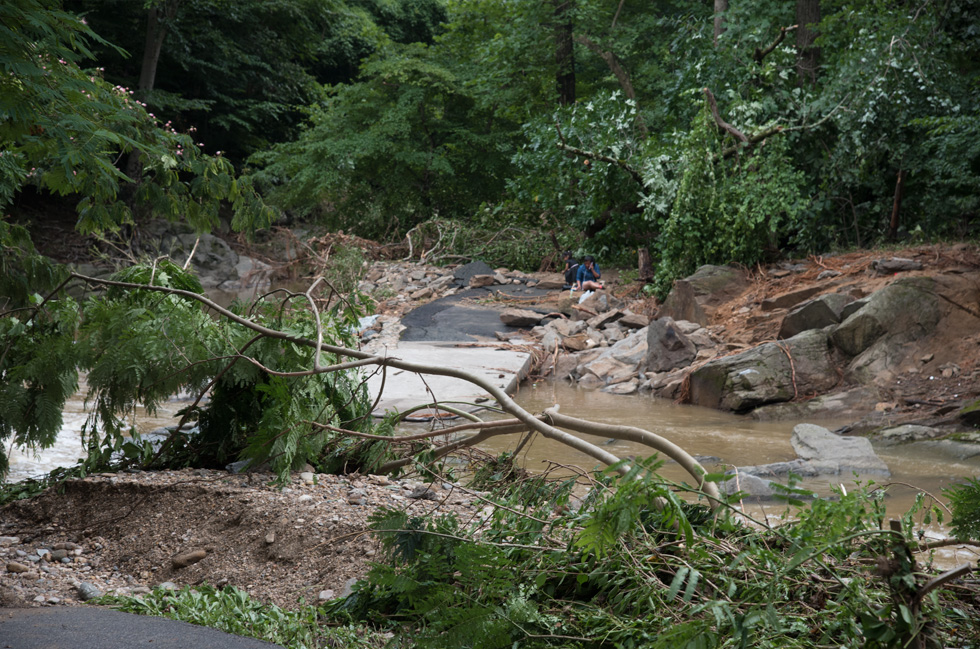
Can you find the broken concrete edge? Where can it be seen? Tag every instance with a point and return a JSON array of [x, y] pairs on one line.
[[480, 399]]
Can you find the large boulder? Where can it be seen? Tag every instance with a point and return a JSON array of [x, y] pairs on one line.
[[769, 373], [832, 454], [878, 335], [667, 347], [814, 314], [907, 308], [696, 297]]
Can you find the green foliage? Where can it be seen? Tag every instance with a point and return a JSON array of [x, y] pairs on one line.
[[141, 346], [964, 500], [394, 149], [727, 211], [65, 129], [637, 566], [497, 235], [232, 610], [597, 196], [33, 386]]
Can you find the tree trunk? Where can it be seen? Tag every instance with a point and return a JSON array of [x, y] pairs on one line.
[[896, 206], [721, 6], [645, 264], [158, 18], [807, 56], [564, 52]]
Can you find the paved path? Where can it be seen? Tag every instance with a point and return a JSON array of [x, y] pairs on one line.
[[454, 332], [96, 627]]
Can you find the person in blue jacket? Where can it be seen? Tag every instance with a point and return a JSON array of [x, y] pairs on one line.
[[588, 275]]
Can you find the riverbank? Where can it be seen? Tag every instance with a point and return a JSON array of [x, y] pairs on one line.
[[109, 553]]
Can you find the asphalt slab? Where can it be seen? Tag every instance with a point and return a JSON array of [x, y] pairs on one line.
[[96, 627]]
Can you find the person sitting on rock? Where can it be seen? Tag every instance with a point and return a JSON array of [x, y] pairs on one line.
[[587, 278], [571, 268]]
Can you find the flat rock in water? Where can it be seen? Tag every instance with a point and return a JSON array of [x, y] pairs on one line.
[[833, 454]]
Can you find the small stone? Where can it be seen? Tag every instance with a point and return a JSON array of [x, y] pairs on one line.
[[325, 595], [188, 558], [305, 498], [9, 540], [87, 591], [270, 538], [167, 585], [15, 567], [58, 555]]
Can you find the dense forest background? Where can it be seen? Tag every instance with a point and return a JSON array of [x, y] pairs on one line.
[[673, 134], [704, 132]]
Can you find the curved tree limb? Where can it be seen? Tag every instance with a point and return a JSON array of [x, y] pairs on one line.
[[640, 436], [591, 155], [622, 76], [506, 402], [762, 53], [722, 124]]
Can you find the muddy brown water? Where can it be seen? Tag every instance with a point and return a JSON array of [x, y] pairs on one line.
[[734, 440]]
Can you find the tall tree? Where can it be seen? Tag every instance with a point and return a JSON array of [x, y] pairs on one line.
[[808, 55], [721, 6], [159, 15], [564, 51]]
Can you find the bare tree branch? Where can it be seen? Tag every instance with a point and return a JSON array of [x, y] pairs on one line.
[[762, 53]]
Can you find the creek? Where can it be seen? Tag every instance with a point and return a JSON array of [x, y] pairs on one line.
[[734, 440]]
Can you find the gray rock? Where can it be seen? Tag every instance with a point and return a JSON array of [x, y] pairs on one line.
[[895, 265], [764, 374], [598, 302], [601, 320], [87, 591], [667, 347], [463, 274], [834, 455], [906, 433], [631, 350], [608, 370], [590, 382], [813, 314], [348, 587], [479, 281], [522, 318], [851, 308], [852, 403], [627, 387], [566, 327], [750, 486], [800, 467], [907, 308], [790, 299], [694, 298], [188, 558], [632, 320]]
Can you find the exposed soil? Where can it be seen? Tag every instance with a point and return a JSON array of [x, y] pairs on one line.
[[128, 532], [124, 531]]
